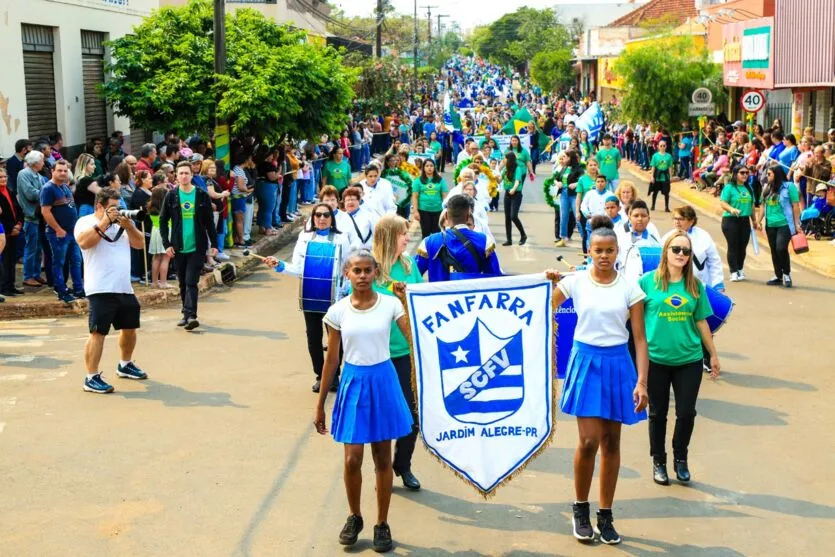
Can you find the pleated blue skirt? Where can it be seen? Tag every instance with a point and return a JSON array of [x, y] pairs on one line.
[[370, 406], [599, 384]]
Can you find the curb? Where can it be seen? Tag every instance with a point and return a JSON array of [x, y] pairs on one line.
[[681, 191], [243, 267]]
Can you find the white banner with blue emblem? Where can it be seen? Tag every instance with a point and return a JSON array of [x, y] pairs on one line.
[[483, 370]]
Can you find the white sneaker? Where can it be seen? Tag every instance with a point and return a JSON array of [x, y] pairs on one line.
[[735, 277], [740, 275], [832, 242], [222, 256]]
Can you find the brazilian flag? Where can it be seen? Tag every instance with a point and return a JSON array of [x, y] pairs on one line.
[[518, 122]]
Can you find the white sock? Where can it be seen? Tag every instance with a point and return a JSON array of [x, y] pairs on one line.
[[123, 363]]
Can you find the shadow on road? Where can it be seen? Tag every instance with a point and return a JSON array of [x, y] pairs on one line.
[[764, 382], [653, 548], [415, 551], [272, 335], [734, 413], [560, 461], [770, 503], [174, 396], [38, 362]]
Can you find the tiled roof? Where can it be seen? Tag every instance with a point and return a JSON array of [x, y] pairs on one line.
[[657, 9]]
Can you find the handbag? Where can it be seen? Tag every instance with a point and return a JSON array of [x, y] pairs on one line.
[[799, 243]]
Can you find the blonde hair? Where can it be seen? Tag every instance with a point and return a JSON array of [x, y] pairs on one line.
[[466, 174], [81, 165], [627, 185], [662, 274], [386, 235], [204, 168]]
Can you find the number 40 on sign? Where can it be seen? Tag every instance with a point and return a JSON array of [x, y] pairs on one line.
[[752, 101]]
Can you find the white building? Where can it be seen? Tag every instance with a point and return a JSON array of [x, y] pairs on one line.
[[51, 53], [594, 13]]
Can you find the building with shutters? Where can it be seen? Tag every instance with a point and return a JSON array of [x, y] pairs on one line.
[[51, 55]]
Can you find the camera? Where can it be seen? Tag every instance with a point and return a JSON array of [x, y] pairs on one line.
[[136, 214]]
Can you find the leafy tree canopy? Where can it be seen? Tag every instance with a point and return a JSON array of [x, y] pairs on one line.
[[515, 38], [661, 76], [276, 84], [552, 69]]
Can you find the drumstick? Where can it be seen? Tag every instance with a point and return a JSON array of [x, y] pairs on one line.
[[562, 260], [247, 252]]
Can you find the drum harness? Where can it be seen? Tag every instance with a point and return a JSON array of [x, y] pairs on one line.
[[450, 261], [357, 228]]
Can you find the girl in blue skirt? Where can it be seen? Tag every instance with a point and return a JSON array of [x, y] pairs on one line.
[[602, 388], [369, 407]]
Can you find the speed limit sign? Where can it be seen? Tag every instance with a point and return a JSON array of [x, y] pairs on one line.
[[752, 101]]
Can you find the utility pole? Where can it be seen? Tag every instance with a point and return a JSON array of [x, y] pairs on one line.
[[379, 28], [429, 22], [439, 16], [220, 36]]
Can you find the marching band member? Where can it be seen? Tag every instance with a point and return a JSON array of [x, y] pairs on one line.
[[321, 228], [370, 407], [676, 309], [330, 197], [391, 236], [635, 233], [377, 192], [706, 260], [359, 218], [479, 214], [457, 250], [602, 388]]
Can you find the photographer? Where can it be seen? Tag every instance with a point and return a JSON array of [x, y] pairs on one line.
[[105, 239], [188, 212]]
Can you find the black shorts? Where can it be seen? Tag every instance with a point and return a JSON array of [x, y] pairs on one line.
[[119, 310]]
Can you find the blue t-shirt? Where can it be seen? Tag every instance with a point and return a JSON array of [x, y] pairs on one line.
[[687, 150], [63, 206], [428, 128], [788, 156]]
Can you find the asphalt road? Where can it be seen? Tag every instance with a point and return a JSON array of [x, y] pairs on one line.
[[215, 454]]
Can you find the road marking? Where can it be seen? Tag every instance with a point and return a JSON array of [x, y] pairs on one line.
[[13, 377], [17, 359], [16, 324], [7, 401], [5, 333], [2, 426], [20, 343], [50, 376]]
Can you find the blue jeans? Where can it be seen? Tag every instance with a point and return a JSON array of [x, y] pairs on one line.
[[221, 234], [567, 205], [31, 252], [267, 196], [308, 189], [62, 249], [366, 153], [293, 204]]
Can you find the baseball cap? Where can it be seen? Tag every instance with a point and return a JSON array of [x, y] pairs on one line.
[[196, 157], [739, 124], [820, 187]]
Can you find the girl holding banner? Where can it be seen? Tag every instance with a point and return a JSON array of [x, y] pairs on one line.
[[602, 388], [370, 407]]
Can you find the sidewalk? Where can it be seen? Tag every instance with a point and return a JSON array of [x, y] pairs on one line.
[[43, 303], [821, 255]]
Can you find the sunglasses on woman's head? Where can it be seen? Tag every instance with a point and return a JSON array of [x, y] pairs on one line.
[[679, 249], [321, 215]]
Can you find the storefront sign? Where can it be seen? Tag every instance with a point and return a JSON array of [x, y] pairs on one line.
[[748, 54]]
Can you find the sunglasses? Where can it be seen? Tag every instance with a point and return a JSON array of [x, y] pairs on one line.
[[321, 215], [679, 249], [743, 173]]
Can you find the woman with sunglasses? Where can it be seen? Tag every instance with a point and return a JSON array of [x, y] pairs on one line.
[[737, 200], [320, 228], [676, 307]]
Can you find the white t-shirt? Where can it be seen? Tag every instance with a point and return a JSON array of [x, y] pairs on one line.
[[365, 333], [106, 265], [365, 221], [380, 198], [602, 309]]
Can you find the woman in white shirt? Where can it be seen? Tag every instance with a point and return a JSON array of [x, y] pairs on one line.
[[321, 228], [706, 260], [360, 219], [370, 406], [377, 192], [602, 388], [636, 233]]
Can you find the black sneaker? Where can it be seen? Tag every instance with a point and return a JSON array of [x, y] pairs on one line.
[[334, 387], [317, 385], [774, 281], [80, 294], [351, 531], [66, 297], [606, 528], [130, 371], [582, 522], [192, 323], [787, 281], [182, 322], [97, 385], [382, 538]]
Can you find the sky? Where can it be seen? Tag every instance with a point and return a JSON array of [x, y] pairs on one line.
[[468, 13]]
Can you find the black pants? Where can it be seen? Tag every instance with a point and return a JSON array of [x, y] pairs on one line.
[[512, 204], [494, 202], [584, 233], [7, 271], [662, 188], [47, 251], [737, 231], [429, 222], [189, 266], [405, 446], [685, 381], [314, 328], [572, 224], [778, 240], [284, 202]]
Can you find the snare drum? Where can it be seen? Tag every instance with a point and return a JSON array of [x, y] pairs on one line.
[[641, 260], [722, 307], [318, 284], [566, 318]]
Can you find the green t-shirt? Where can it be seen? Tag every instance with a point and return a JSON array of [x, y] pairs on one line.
[[483, 142], [609, 160], [430, 194], [337, 175], [662, 163], [436, 147], [584, 184], [187, 211], [398, 345], [738, 197], [774, 215], [522, 157], [521, 172], [670, 318]]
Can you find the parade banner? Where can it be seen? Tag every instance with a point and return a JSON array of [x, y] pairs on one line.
[[428, 154], [503, 141], [592, 120], [482, 373]]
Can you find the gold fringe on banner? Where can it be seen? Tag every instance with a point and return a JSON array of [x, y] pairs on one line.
[[554, 406]]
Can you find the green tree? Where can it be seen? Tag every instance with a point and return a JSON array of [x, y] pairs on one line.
[[276, 83], [661, 76], [552, 69]]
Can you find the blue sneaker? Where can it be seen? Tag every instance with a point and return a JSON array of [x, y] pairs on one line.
[[130, 371], [97, 385]]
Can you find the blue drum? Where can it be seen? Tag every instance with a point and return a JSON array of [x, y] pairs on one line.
[[319, 281], [566, 318], [722, 307], [640, 260]]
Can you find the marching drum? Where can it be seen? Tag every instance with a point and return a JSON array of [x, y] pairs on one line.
[[319, 281], [722, 307], [641, 260]]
